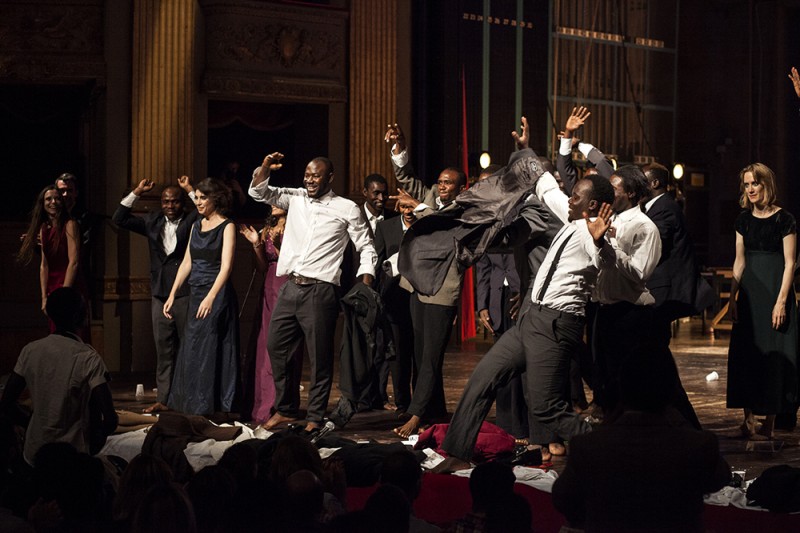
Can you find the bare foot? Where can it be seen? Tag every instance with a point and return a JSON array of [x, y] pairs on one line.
[[546, 455], [390, 406], [311, 426], [557, 449], [276, 420], [409, 428], [155, 408], [451, 464]]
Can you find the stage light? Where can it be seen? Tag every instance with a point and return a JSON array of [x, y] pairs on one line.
[[485, 160], [677, 171]]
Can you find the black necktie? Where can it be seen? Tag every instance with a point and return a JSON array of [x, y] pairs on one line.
[[553, 266]]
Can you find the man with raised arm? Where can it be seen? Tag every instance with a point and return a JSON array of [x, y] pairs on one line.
[[432, 316], [167, 231], [318, 227]]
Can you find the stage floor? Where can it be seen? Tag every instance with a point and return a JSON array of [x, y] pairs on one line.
[[696, 354]]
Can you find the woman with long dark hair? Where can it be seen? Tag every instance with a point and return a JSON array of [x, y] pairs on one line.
[[204, 380], [59, 237]]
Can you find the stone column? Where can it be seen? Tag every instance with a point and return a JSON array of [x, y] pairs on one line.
[[164, 89], [379, 85]]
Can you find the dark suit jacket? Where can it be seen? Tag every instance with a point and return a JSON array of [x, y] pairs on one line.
[[163, 268], [388, 236], [658, 481], [676, 282], [491, 271], [569, 173]]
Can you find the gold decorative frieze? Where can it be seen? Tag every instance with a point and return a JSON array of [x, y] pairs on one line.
[[273, 50], [51, 41]]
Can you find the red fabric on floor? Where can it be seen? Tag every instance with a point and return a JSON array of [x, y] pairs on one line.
[[444, 498]]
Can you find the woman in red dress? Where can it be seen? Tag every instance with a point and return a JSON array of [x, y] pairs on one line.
[[59, 238]]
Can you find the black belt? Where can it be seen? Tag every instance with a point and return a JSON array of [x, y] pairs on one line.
[[559, 314], [297, 279]]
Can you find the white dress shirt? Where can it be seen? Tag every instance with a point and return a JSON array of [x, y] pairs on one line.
[[636, 247], [576, 271], [169, 231], [317, 231], [577, 268], [372, 219]]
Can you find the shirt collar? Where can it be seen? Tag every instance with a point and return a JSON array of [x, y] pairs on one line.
[[324, 199], [650, 202], [629, 214]]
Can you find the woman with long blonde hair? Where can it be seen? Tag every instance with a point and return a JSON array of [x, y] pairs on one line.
[[762, 358]]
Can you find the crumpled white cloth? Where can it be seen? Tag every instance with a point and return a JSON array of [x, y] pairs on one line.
[[533, 477], [126, 445], [732, 496], [209, 452]]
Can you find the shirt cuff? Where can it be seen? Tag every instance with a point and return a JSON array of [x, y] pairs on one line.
[[129, 200], [566, 146], [421, 207], [400, 159], [585, 148]]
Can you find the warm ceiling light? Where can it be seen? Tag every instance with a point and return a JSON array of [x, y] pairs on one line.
[[677, 171], [485, 160]]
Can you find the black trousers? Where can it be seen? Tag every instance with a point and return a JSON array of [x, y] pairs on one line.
[[541, 345], [624, 330], [432, 326], [662, 332], [167, 334], [303, 312]]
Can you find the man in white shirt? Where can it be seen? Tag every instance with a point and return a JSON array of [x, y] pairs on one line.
[[67, 381], [625, 315], [319, 226], [167, 231], [542, 341]]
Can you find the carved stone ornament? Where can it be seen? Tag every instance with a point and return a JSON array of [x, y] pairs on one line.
[[51, 41], [275, 50]]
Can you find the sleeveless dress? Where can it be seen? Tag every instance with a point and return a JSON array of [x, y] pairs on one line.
[[762, 362], [204, 379], [55, 248]]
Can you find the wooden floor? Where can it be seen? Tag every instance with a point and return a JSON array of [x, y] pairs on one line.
[[696, 355]]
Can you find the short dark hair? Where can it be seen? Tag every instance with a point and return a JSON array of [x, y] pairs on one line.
[[633, 181], [66, 308], [375, 178], [460, 176], [219, 193], [325, 161], [402, 469], [602, 191], [657, 171], [68, 177], [490, 483]]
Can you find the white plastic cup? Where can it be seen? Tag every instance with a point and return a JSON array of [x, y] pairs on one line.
[[712, 376], [140, 391]]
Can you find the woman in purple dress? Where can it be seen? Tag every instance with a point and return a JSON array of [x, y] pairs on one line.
[[266, 246]]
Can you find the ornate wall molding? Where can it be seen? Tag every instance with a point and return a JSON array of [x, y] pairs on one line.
[[51, 42], [126, 289], [289, 53]]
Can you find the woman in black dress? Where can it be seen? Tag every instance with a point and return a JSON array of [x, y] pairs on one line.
[[204, 380], [762, 358]]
